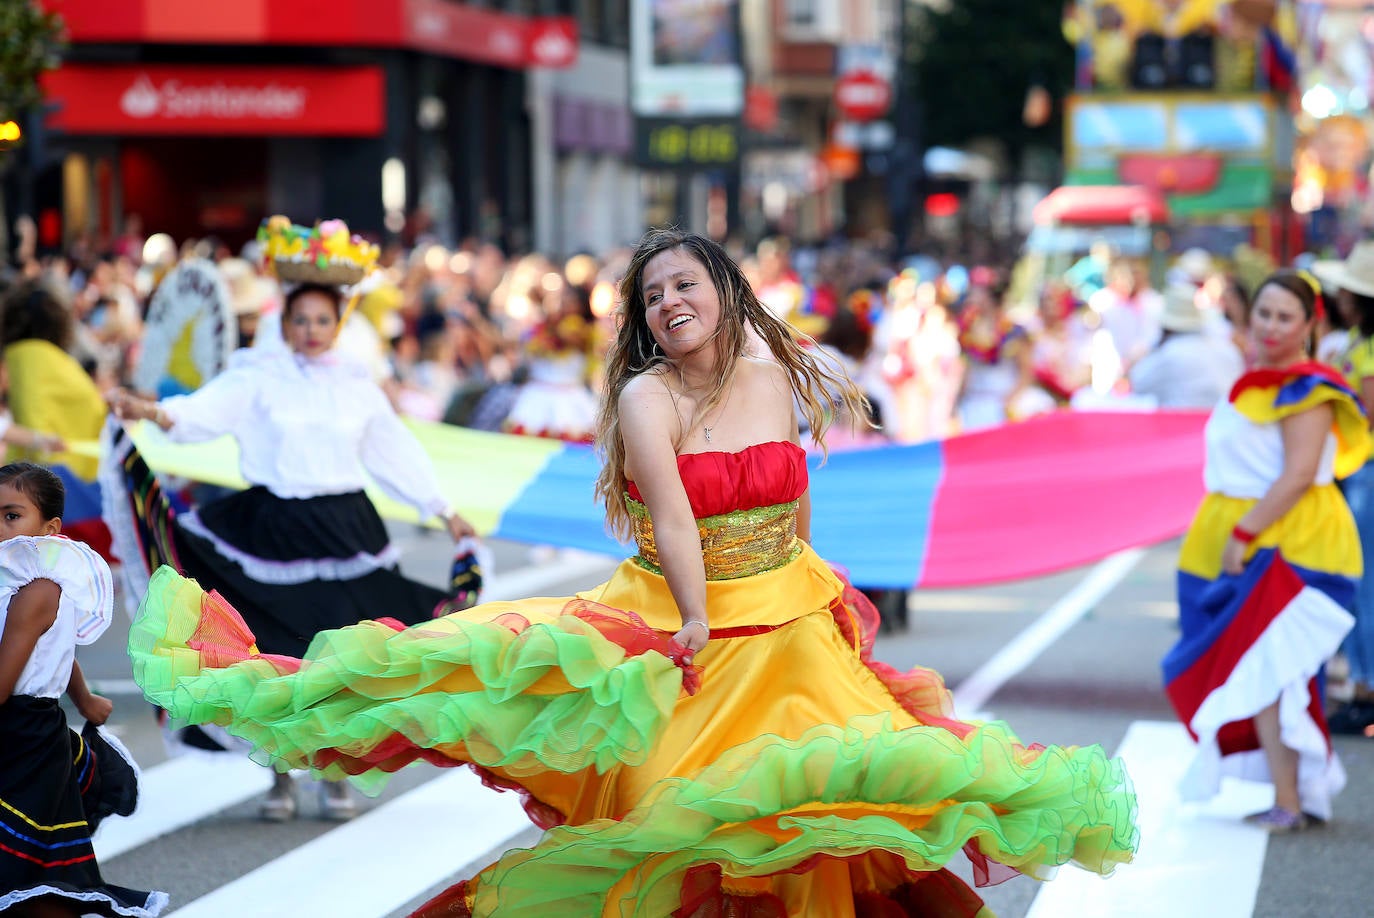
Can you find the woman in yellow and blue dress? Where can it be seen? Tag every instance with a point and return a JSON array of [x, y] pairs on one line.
[[1269, 567], [707, 732]]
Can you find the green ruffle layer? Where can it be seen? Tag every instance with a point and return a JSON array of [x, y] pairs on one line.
[[361, 686], [1028, 810]]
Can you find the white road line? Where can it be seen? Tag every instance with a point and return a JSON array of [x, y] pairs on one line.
[[406, 846], [975, 691], [114, 688], [177, 793], [1193, 859]]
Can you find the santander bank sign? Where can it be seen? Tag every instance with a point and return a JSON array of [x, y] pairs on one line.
[[170, 99], [177, 99]]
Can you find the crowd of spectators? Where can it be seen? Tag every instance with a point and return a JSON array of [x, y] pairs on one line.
[[475, 337]]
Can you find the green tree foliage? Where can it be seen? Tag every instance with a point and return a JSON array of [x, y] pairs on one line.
[[31, 42], [975, 60]]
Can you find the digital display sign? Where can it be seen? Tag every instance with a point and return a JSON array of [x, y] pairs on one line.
[[687, 143]]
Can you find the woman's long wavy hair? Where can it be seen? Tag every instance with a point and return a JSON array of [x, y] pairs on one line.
[[818, 383]]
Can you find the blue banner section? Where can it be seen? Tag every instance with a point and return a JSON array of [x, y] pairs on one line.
[[871, 511], [83, 497], [557, 506]]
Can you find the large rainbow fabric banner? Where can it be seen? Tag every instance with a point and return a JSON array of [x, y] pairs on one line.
[[1003, 504]]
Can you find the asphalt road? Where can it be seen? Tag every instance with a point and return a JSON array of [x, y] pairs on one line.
[[1089, 685]]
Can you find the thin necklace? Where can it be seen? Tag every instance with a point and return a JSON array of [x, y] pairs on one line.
[[704, 429]]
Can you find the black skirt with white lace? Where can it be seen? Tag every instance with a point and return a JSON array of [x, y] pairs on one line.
[[294, 567], [55, 785]]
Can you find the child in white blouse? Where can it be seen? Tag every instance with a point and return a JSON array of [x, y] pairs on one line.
[[55, 786], [33, 607]]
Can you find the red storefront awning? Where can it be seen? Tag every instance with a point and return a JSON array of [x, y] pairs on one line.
[[132, 99], [442, 27], [1098, 204]]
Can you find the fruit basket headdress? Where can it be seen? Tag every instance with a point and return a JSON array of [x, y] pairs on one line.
[[325, 254]]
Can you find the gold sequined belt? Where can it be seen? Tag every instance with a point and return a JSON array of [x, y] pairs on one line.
[[736, 544]]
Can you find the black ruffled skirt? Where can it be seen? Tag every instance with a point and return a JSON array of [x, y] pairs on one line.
[[55, 787], [296, 567]]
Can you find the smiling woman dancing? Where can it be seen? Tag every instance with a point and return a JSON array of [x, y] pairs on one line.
[[704, 734]]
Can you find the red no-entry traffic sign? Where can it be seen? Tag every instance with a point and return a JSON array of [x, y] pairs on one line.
[[862, 95]]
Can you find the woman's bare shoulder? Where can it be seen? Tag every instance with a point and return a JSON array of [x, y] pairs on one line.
[[763, 374], [649, 385]]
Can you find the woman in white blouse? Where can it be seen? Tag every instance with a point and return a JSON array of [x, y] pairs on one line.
[[302, 550]]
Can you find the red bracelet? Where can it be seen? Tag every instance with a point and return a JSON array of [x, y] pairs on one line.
[[1241, 535]]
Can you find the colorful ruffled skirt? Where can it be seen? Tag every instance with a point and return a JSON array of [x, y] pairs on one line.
[[784, 772], [1260, 636]]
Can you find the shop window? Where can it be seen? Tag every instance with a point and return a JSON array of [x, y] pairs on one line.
[[811, 20], [76, 194], [591, 20], [617, 23], [1174, 63]]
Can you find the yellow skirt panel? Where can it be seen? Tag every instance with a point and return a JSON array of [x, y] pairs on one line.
[[1318, 534], [775, 597]]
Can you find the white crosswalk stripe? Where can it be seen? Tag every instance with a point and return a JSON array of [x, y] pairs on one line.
[[1193, 859], [406, 846], [178, 793]]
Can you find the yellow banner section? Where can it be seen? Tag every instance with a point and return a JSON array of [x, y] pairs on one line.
[[480, 474]]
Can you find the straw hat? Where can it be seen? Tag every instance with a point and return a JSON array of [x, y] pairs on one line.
[[1355, 274], [1195, 264], [248, 293], [1180, 310]]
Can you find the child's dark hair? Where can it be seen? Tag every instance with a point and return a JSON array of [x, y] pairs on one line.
[[39, 485]]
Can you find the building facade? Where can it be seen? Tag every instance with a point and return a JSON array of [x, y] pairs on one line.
[[420, 119]]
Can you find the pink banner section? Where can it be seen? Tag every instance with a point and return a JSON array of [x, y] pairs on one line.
[[1059, 491]]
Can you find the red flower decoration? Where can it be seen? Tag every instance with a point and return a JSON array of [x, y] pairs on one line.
[[315, 249]]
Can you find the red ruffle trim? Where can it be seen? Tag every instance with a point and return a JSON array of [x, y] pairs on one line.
[[451, 903], [702, 897], [936, 894], [933, 894], [223, 638]]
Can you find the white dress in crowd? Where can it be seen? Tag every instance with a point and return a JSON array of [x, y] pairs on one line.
[[556, 401], [1194, 370], [1133, 322]]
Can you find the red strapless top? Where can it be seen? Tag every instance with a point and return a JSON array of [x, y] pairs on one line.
[[757, 476]]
